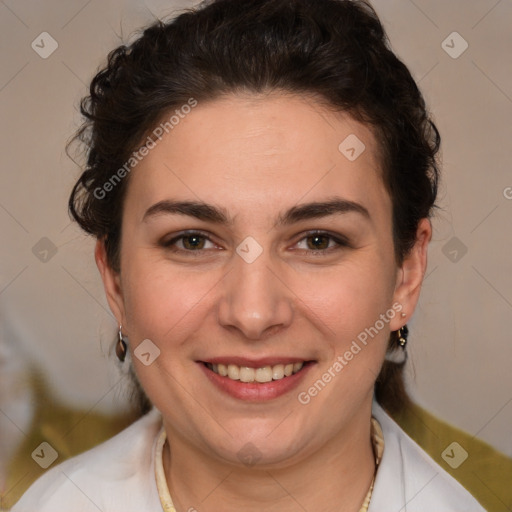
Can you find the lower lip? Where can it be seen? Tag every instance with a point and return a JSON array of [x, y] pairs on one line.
[[255, 391]]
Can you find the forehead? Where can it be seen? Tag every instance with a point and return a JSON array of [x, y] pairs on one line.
[[249, 151]]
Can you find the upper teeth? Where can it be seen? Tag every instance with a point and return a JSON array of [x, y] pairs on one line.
[[263, 374]]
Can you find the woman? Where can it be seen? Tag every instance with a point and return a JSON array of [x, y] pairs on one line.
[[260, 178]]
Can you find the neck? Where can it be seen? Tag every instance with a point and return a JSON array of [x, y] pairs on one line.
[[335, 477]]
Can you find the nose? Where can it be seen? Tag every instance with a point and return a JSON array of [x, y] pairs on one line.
[[255, 299]]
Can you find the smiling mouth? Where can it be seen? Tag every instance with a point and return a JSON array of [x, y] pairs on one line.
[[260, 375]]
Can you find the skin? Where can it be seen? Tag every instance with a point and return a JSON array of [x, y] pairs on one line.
[[257, 156]]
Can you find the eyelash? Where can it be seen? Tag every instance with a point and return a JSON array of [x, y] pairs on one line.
[[340, 241]]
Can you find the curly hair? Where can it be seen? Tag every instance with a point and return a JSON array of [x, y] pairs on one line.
[[334, 50]]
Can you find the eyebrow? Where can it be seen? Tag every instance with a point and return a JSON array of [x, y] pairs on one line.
[[219, 215]]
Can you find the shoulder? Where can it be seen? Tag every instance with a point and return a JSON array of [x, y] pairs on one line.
[[118, 471], [408, 479]]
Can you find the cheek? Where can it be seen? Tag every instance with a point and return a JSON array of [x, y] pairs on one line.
[[160, 302], [350, 297]]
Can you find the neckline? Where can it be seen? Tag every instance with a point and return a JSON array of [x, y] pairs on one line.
[[165, 495]]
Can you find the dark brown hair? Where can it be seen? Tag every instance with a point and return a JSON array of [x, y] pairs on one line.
[[335, 50]]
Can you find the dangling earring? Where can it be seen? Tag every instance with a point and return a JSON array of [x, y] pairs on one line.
[[121, 346], [402, 334], [399, 356]]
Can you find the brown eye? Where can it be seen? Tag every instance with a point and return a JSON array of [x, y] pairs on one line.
[[318, 242], [192, 242], [189, 242]]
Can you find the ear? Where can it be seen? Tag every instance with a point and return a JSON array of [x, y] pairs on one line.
[[410, 275], [111, 282]]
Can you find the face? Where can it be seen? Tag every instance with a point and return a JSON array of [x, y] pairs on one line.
[[254, 244]]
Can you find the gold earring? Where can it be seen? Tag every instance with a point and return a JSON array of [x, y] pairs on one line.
[[121, 346], [402, 334]]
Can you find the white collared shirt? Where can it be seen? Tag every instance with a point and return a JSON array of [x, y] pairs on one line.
[[119, 476]]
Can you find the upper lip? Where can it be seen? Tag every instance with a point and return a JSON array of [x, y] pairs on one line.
[[255, 363]]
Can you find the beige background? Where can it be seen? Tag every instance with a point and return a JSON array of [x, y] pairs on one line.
[[460, 342]]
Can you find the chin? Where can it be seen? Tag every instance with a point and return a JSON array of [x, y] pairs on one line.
[[260, 443]]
